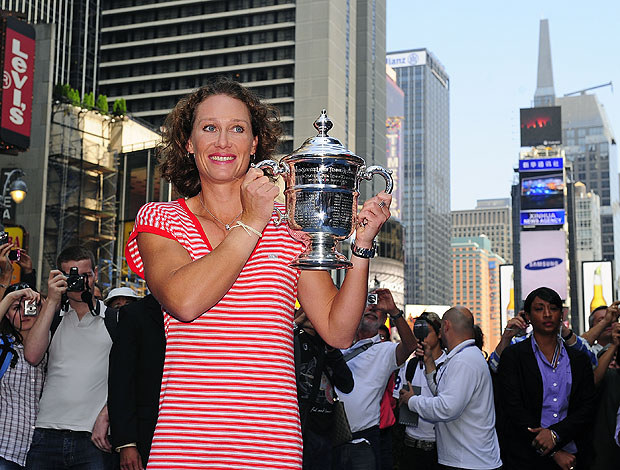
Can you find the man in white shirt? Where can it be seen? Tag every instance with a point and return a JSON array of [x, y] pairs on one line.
[[72, 425], [371, 362], [462, 409]]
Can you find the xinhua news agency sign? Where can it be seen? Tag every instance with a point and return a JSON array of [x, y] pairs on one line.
[[18, 46]]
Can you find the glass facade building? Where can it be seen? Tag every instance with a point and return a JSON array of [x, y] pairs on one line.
[[426, 180]]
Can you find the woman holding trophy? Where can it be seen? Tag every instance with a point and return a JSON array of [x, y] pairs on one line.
[[219, 264]]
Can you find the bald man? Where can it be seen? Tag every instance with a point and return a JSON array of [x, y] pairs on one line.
[[462, 409]]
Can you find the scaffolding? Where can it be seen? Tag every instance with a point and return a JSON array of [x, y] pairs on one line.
[[82, 188]]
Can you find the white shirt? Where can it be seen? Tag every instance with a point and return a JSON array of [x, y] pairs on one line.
[[371, 370], [76, 387], [463, 411], [425, 430]]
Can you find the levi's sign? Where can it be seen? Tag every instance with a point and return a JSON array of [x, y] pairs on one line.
[[17, 83]]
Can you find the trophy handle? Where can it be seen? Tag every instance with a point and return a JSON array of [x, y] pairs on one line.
[[368, 173], [276, 169]]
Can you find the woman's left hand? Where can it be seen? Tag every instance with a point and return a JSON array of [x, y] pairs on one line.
[[371, 218]]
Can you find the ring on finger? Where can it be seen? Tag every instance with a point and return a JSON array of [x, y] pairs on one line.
[[382, 204]]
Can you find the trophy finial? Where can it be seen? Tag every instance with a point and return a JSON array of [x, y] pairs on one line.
[[323, 124]]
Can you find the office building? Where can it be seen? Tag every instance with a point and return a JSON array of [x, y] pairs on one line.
[[475, 271], [76, 36], [300, 56], [588, 141], [590, 145], [426, 179], [492, 218]]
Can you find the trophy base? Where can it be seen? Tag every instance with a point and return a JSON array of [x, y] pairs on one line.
[[321, 254]]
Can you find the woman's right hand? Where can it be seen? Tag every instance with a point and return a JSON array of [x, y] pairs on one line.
[[24, 294], [56, 285], [257, 197]]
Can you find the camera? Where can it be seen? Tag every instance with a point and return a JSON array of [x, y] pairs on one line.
[[76, 282], [420, 329], [15, 255], [30, 308], [4, 238], [372, 299]]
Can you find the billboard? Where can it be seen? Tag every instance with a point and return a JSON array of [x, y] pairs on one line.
[[541, 126], [394, 143], [406, 59], [597, 286], [542, 191], [506, 294], [18, 43], [543, 261]]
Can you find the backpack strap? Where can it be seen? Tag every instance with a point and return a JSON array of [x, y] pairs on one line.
[[411, 366], [356, 352]]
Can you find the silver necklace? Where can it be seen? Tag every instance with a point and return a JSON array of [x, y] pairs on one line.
[[226, 226]]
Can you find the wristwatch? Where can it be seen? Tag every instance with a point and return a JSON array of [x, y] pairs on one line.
[[400, 314], [364, 252]]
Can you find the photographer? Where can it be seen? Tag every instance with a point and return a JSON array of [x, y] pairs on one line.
[[462, 408], [72, 424], [420, 446], [21, 384], [372, 362]]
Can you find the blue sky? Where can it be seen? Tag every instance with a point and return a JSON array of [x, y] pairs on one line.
[[490, 51]]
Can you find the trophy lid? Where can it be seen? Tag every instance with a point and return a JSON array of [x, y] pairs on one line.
[[323, 145]]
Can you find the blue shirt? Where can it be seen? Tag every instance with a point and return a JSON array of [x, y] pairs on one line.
[[557, 380]]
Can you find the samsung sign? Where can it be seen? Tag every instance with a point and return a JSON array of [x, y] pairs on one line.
[[543, 261], [406, 59]]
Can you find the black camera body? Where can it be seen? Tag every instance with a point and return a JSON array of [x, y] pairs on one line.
[[372, 299], [420, 329], [76, 282]]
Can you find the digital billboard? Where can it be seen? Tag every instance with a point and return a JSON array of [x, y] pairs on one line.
[[543, 261], [596, 286], [542, 191], [541, 126], [506, 294]]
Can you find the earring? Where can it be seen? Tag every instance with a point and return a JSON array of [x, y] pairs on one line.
[[252, 158], [190, 155]]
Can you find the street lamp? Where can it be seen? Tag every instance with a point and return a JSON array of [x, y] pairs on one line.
[[15, 187]]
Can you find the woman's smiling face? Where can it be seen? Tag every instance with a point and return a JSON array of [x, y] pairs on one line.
[[222, 139]]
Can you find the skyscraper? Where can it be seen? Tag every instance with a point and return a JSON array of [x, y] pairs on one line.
[[301, 56], [76, 34], [588, 141], [492, 218], [475, 270], [426, 180]]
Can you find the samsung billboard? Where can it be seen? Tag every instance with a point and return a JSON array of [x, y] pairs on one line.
[[543, 261], [542, 192]]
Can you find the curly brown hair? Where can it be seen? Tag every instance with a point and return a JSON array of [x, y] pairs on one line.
[[177, 166]]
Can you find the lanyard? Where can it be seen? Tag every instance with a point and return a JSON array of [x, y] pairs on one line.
[[437, 380]]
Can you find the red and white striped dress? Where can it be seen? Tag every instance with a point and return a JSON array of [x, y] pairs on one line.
[[228, 395]]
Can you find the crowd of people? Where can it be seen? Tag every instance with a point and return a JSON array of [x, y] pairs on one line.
[[208, 371]]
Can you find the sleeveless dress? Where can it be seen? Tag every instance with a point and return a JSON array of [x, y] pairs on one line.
[[228, 395]]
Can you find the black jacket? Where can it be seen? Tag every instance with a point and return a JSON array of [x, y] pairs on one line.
[[521, 396], [134, 382]]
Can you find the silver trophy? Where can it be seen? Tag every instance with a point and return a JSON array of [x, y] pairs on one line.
[[322, 179]]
